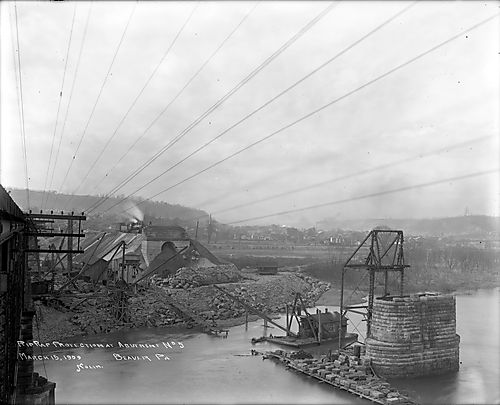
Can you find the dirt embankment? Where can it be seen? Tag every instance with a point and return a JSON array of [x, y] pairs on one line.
[[170, 301], [268, 294]]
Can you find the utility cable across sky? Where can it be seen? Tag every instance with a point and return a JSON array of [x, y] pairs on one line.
[[384, 166], [44, 197], [316, 111], [146, 164], [153, 73], [246, 117], [99, 95], [179, 93], [369, 195]]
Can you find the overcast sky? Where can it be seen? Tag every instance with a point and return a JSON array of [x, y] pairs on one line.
[[438, 116]]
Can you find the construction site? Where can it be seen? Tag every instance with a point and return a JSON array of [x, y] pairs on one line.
[[70, 283], [249, 202]]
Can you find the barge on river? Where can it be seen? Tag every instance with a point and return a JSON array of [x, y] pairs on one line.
[[299, 343], [346, 372], [313, 329]]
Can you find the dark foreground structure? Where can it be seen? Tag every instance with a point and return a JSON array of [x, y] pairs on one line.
[[18, 381]]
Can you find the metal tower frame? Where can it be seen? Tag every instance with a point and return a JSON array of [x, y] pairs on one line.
[[377, 261]]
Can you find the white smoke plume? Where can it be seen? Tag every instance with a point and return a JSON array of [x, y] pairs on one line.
[[133, 211]]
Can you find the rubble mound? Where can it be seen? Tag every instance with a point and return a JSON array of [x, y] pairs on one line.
[[190, 277], [268, 294], [190, 291]]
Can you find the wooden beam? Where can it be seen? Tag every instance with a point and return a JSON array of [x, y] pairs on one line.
[[57, 216]]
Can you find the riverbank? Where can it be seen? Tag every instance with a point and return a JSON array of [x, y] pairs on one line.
[[332, 296], [151, 306], [186, 306]]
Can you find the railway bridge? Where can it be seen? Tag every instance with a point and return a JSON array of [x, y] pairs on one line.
[[19, 261]]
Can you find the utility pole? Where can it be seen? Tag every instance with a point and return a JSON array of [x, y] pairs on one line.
[[209, 229], [70, 247], [123, 262]]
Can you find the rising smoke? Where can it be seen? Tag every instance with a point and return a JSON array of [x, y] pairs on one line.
[[133, 211]]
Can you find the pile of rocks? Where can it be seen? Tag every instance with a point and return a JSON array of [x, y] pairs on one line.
[[189, 277], [150, 309], [187, 292], [317, 288], [72, 316], [222, 307], [268, 294], [351, 373]]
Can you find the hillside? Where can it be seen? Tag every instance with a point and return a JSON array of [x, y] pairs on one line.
[[81, 203], [473, 225]]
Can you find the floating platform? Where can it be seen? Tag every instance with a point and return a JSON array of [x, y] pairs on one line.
[[347, 373], [291, 341]]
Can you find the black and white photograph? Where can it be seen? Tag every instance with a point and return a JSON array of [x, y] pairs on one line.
[[250, 202]]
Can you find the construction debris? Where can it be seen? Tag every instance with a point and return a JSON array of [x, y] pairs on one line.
[[172, 301]]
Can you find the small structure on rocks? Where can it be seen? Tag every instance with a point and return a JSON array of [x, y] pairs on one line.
[[268, 269], [328, 322]]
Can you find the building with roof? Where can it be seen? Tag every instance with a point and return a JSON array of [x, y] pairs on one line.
[[327, 322], [130, 255], [155, 236], [101, 251]]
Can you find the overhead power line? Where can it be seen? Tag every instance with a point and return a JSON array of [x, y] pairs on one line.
[[146, 164], [213, 54], [370, 195], [323, 65], [16, 75], [358, 173], [23, 128], [99, 95], [314, 112], [44, 195], [82, 43], [153, 73]]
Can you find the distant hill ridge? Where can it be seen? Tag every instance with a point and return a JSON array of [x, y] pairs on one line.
[[472, 225], [79, 203]]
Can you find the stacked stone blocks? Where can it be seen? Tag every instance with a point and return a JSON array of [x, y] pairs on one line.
[[413, 336]]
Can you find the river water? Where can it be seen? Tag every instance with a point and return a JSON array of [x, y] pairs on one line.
[[197, 368]]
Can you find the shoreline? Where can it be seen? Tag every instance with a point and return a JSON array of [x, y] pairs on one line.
[[329, 298]]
